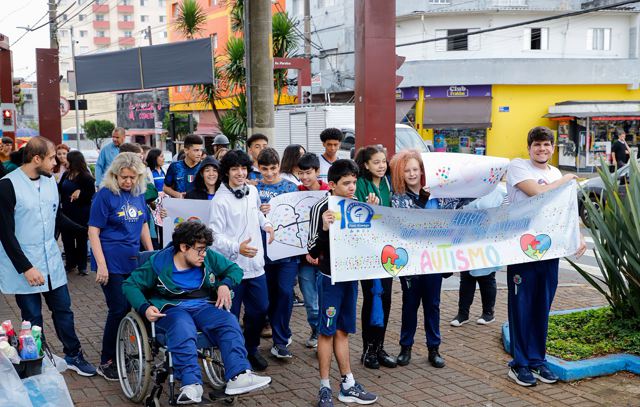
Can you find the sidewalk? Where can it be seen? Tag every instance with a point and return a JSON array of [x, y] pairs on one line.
[[475, 374]]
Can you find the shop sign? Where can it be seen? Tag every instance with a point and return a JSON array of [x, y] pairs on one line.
[[457, 91], [407, 93], [503, 109]]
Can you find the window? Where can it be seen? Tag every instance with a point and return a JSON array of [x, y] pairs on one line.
[[142, 3], [100, 34], [460, 43], [162, 19], [215, 41], [127, 34], [124, 2], [438, 1], [83, 33], [326, 3], [62, 33], [165, 34], [81, 2], [162, 3], [536, 38], [510, 3], [328, 59], [81, 17], [64, 17], [599, 39], [99, 17], [127, 17], [144, 19]]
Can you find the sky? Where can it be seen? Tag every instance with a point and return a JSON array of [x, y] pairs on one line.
[[15, 13]]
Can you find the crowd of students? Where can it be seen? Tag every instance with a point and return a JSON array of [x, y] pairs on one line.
[[229, 256]]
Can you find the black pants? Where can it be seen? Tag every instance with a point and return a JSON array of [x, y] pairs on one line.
[[75, 249], [374, 335], [488, 290]]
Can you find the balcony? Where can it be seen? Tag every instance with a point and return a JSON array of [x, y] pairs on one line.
[[101, 25], [125, 25], [126, 41], [125, 9], [102, 40], [101, 8]]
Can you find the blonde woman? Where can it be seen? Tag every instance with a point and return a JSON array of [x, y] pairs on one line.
[[117, 225]]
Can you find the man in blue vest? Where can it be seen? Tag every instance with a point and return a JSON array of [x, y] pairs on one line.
[[31, 264]]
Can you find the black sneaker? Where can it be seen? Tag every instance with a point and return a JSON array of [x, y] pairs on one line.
[[486, 319], [544, 374], [258, 363], [297, 302], [459, 320], [109, 371]]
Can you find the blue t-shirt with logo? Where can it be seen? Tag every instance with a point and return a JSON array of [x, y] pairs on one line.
[[181, 177], [120, 219], [189, 279], [268, 191], [254, 174]]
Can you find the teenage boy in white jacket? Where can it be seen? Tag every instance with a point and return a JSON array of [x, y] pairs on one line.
[[236, 221]]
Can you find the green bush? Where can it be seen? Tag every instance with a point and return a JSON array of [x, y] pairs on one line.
[[591, 333]]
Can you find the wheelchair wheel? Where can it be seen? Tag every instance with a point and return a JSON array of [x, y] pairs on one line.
[[133, 354], [213, 367]]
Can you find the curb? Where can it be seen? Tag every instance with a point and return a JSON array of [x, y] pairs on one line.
[[581, 369]]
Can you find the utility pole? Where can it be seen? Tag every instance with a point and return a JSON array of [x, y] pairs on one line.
[[247, 66], [53, 25], [156, 102], [75, 90], [260, 72], [307, 29]]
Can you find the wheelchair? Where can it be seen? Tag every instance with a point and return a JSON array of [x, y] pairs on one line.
[[144, 362]]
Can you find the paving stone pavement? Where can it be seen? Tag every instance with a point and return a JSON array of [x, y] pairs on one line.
[[475, 374]]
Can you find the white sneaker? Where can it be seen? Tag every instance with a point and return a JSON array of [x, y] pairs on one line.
[[246, 382], [190, 394], [459, 321]]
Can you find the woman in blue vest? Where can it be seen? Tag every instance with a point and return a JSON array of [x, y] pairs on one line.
[[117, 226]]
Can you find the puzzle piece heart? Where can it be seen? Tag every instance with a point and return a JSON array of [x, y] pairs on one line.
[[535, 246], [393, 259]]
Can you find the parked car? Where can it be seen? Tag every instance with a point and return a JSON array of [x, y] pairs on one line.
[[406, 138], [594, 189]]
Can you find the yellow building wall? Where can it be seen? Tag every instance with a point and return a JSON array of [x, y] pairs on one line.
[[528, 103]]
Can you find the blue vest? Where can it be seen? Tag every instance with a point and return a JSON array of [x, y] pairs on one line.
[[35, 218]]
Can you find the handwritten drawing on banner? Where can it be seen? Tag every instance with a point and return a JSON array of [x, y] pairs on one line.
[[457, 175], [179, 210], [371, 241], [289, 216]]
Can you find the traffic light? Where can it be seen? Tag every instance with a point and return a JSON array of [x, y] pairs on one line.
[[17, 92], [399, 61], [7, 117]]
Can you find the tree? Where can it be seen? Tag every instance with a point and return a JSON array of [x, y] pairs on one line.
[[97, 130], [181, 123], [285, 42]]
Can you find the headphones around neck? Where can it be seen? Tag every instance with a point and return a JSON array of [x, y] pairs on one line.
[[239, 193]]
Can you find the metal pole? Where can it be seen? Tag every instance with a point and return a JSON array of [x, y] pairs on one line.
[[247, 65], [53, 25], [307, 29], [75, 90], [156, 102]]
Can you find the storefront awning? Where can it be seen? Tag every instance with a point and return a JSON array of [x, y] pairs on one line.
[[460, 113], [402, 108], [593, 115]]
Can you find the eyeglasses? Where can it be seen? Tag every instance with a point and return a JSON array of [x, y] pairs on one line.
[[201, 252]]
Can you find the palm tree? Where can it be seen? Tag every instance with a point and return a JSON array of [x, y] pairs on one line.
[[285, 42], [190, 22]]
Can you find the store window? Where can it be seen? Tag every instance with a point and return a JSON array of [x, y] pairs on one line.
[[470, 141]]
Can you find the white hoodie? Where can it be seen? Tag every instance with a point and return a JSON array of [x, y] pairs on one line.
[[235, 220]]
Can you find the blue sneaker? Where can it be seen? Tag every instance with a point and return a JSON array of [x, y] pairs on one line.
[[281, 352], [543, 374], [522, 376], [80, 365], [325, 399], [356, 394]]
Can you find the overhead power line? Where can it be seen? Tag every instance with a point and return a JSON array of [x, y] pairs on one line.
[[502, 27]]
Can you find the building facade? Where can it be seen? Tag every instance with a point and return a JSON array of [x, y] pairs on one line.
[[106, 26], [481, 93]]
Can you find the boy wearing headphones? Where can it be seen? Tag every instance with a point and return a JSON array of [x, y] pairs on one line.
[[236, 221]]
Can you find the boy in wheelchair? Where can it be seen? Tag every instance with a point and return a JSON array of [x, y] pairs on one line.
[[186, 288]]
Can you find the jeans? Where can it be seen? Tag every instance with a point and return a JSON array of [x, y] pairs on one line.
[[307, 278], [281, 278], [488, 291], [251, 292], [219, 326], [59, 303], [118, 308]]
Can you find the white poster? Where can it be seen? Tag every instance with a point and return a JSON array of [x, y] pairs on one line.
[[289, 216], [179, 210], [371, 241], [456, 175]]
